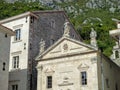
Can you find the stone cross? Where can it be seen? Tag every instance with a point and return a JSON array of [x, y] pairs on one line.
[[42, 46], [93, 36], [66, 29]]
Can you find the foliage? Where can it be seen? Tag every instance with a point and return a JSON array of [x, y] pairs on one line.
[[11, 9], [83, 19], [100, 19]]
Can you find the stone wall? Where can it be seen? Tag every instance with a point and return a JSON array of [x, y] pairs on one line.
[[49, 27], [66, 73], [108, 73], [19, 76]]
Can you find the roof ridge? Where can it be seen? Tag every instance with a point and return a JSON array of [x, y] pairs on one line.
[[17, 16], [3, 28]]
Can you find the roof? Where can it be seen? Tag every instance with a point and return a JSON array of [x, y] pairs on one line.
[[115, 33], [6, 30], [34, 13], [17, 17], [49, 11], [58, 11], [60, 40]]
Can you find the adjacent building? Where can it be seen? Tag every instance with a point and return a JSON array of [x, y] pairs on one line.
[[70, 64], [5, 37], [30, 29], [115, 34]]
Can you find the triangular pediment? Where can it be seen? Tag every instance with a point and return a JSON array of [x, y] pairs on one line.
[[83, 66], [66, 46]]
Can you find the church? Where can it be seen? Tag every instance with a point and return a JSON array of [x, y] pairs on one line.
[[48, 42], [70, 64]]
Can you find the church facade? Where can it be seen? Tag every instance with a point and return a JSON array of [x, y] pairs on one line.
[[64, 62], [70, 64], [30, 29]]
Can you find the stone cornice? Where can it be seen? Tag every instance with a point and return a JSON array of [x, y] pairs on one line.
[[69, 39], [67, 55], [6, 30]]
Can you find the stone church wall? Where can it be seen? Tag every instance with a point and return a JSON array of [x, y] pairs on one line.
[[66, 72], [4, 59], [108, 73], [49, 27]]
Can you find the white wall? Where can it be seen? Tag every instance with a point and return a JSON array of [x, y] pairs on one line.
[[19, 76], [4, 57]]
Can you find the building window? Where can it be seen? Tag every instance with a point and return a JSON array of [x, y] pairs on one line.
[[84, 78], [16, 62], [15, 87], [4, 66], [6, 35], [52, 41], [53, 24], [18, 34], [32, 19], [30, 46], [49, 81], [73, 36]]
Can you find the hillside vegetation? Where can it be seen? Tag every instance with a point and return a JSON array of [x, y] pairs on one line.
[[84, 14], [85, 17], [11, 9]]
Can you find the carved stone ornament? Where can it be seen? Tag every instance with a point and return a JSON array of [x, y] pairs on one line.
[[93, 36], [65, 47], [94, 60], [49, 70], [83, 66], [93, 33], [39, 67], [42, 46], [66, 29]]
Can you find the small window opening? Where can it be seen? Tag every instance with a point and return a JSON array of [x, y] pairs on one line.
[[32, 19], [30, 46], [15, 87], [6, 35], [84, 78], [49, 81], [26, 20], [4, 66]]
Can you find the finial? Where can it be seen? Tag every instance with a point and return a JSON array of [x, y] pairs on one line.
[[93, 33], [66, 29], [116, 43], [93, 36], [42, 46]]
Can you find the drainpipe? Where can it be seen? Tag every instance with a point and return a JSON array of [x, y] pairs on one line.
[[102, 73]]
